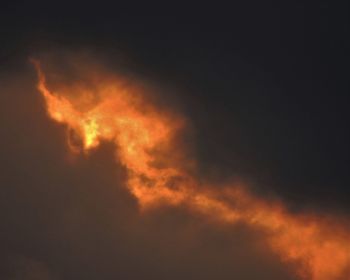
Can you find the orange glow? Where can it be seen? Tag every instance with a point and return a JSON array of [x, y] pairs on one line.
[[145, 145]]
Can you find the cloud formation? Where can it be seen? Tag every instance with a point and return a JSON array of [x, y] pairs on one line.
[[158, 174]]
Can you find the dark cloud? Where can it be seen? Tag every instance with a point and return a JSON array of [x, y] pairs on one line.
[[30, 269]]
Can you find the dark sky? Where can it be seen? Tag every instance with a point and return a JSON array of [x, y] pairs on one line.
[[266, 89]]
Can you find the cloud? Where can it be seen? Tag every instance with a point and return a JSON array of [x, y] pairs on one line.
[[72, 217], [77, 211]]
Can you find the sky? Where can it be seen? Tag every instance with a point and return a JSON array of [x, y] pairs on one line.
[[246, 104]]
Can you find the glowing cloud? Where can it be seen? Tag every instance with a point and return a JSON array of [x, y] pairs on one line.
[[158, 173]]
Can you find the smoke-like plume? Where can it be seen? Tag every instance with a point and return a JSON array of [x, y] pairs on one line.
[[158, 172]]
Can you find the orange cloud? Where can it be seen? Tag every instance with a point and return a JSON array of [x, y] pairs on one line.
[[158, 173]]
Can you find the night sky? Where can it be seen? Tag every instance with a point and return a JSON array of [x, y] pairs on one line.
[[265, 90]]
